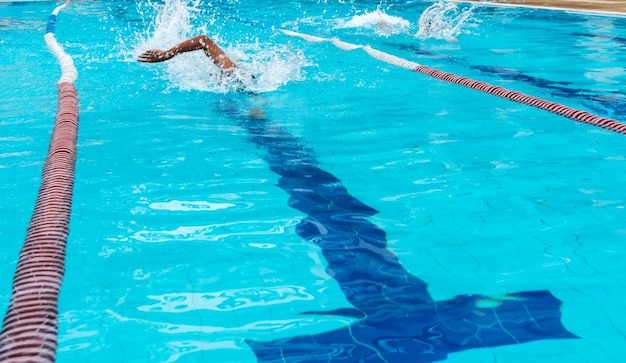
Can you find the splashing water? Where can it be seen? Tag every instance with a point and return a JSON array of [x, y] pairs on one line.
[[171, 21], [379, 21], [443, 20]]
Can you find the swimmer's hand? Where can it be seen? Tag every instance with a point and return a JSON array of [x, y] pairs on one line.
[[155, 56]]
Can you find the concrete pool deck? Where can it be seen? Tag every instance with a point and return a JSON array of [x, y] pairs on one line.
[[608, 7]]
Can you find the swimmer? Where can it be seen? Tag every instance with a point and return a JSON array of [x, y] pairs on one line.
[[214, 52], [201, 42]]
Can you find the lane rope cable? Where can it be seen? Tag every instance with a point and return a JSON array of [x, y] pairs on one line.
[[30, 327], [556, 108]]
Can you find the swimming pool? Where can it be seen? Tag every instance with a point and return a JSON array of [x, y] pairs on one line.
[[366, 212]]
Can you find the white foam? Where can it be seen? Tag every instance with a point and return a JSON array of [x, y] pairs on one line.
[[444, 20], [172, 21], [378, 21]]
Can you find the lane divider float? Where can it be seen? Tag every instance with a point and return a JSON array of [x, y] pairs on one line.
[[556, 108], [30, 327]]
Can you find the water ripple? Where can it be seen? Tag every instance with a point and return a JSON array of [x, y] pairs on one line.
[[226, 300], [217, 232], [188, 206]]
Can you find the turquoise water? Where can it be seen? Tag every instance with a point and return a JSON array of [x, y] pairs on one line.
[[184, 242]]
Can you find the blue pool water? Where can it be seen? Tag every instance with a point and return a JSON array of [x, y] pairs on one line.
[[351, 210]]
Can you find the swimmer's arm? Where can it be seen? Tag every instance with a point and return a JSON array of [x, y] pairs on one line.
[[212, 50]]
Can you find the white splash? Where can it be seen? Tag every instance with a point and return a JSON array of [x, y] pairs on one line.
[[172, 21], [443, 20], [379, 21]]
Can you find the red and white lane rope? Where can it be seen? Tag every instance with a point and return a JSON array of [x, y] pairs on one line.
[[29, 330], [556, 108]]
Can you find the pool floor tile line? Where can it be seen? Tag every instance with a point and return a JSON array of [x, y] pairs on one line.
[[398, 320]]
